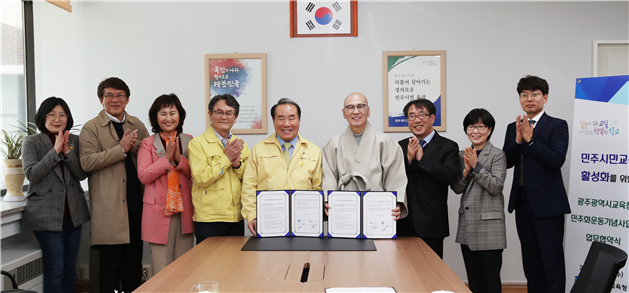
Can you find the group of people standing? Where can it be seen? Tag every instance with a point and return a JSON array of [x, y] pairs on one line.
[[168, 188]]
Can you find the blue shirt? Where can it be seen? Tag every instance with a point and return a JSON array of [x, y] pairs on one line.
[[293, 142], [428, 138], [223, 140]]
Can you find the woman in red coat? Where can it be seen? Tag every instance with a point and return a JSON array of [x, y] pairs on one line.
[[163, 169]]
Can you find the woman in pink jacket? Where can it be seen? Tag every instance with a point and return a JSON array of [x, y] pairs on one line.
[[163, 169]]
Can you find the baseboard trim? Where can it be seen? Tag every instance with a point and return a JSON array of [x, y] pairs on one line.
[[514, 283], [504, 283]]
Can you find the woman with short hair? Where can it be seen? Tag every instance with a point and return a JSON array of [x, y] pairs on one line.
[[481, 231], [163, 169]]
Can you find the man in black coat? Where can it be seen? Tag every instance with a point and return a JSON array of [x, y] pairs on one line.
[[432, 164], [536, 145]]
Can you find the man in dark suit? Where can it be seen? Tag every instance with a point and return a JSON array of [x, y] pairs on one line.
[[536, 144], [432, 164]]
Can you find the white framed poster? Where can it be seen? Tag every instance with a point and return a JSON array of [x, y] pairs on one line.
[[411, 75]]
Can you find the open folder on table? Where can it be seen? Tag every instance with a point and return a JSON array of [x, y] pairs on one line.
[[355, 214], [289, 213]]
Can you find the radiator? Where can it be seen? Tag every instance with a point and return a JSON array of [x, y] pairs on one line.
[[24, 261]]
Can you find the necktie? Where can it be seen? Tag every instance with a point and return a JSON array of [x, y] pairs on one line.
[[521, 179], [422, 143], [287, 146]]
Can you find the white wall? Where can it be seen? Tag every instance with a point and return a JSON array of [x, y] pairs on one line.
[[158, 48]]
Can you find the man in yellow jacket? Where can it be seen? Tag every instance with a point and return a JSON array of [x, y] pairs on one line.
[[217, 162], [283, 161]]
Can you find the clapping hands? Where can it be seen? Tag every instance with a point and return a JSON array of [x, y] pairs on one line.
[[232, 150], [415, 151], [523, 129], [470, 158], [61, 142], [173, 153], [129, 139]]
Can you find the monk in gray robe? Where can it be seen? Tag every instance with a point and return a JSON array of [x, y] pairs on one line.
[[362, 159]]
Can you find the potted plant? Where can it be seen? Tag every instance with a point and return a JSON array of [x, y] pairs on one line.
[[12, 151]]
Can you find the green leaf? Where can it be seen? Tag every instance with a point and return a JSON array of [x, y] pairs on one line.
[[12, 143]]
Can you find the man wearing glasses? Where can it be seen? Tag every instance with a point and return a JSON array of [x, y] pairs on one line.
[[432, 164], [536, 145], [283, 161], [217, 163], [362, 159], [109, 147]]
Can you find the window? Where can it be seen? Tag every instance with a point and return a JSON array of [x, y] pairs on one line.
[[12, 78]]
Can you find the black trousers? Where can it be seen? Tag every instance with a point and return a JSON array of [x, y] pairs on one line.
[[122, 263], [405, 228], [204, 230], [541, 240], [436, 244], [483, 269]]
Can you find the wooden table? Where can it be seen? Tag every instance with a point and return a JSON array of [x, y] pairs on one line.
[[407, 264]]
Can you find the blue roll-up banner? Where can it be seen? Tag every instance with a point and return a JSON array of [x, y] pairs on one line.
[[599, 174]]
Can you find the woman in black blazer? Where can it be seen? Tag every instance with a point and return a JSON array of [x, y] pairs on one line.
[[56, 206]]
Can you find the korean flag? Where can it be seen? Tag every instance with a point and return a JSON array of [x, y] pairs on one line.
[[318, 17]]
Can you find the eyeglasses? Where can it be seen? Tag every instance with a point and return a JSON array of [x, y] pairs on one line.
[[533, 95], [120, 97], [421, 116], [471, 128], [54, 116], [229, 114], [360, 107]]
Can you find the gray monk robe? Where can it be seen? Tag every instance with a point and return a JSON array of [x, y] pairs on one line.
[[377, 164]]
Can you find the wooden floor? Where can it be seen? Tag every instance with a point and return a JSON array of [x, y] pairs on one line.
[[84, 287]]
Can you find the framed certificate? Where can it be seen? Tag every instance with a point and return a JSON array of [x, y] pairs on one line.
[[344, 214], [272, 213], [377, 219], [306, 213], [244, 77], [410, 75], [323, 19]]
